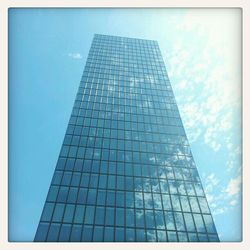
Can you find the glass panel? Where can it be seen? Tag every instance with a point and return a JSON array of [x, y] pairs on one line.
[[203, 237], [172, 237], [79, 214], [52, 193], [87, 233], [65, 232], [203, 205], [189, 222], [47, 211], [151, 236], [159, 219], [184, 204], [149, 216], [91, 197], [99, 217], [192, 237], [102, 181], [182, 236], [209, 223], [169, 218], [166, 202], [194, 204], [76, 233], [58, 213], [139, 218], [130, 220], [199, 223], [110, 215], [89, 215], [101, 197], [98, 234], [110, 198], [82, 196], [119, 217], [140, 235], [179, 222], [69, 213], [53, 232], [109, 234], [120, 196], [72, 196], [161, 236], [42, 231], [176, 203], [119, 234], [130, 234]]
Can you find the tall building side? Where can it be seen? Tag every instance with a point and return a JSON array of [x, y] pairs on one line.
[[125, 170]]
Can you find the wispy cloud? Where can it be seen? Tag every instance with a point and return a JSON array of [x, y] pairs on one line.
[[206, 80], [221, 197], [209, 94], [234, 186], [75, 55]]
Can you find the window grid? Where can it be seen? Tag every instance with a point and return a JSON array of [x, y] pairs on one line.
[[125, 153]]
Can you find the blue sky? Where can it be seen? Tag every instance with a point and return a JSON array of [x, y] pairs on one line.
[[47, 53]]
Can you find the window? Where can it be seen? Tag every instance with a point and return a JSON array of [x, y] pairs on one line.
[[209, 223], [179, 222], [53, 232], [99, 217], [66, 178], [120, 199], [63, 193], [199, 223], [109, 218], [79, 214], [42, 231], [109, 234], [58, 213], [87, 233], [76, 177], [149, 216], [91, 196], [69, 213], [169, 218], [110, 198], [65, 232], [101, 197], [159, 219], [172, 237], [76, 233], [98, 234], [119, 234], [140, 235], [70, 164], [72, 196], [130, 234], [119, 217], [89, 215], [52, 193], [47, 211], [189, 222]]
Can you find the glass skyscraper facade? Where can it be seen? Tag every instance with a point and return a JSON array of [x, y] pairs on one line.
[[125, 170]]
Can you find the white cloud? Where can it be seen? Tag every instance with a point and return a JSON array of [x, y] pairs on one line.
[[234, 186], [209, 72], [221, 199], [75, 55], [233, 202]]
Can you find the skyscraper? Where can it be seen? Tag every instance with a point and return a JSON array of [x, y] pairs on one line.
[[125, 171]]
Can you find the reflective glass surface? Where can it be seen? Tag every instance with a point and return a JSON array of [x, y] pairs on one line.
[[125, 170]]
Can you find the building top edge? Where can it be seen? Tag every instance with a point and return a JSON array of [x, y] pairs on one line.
[[126, 38]]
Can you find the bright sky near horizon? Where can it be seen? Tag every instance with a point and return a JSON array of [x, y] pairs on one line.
[[47, 53]]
